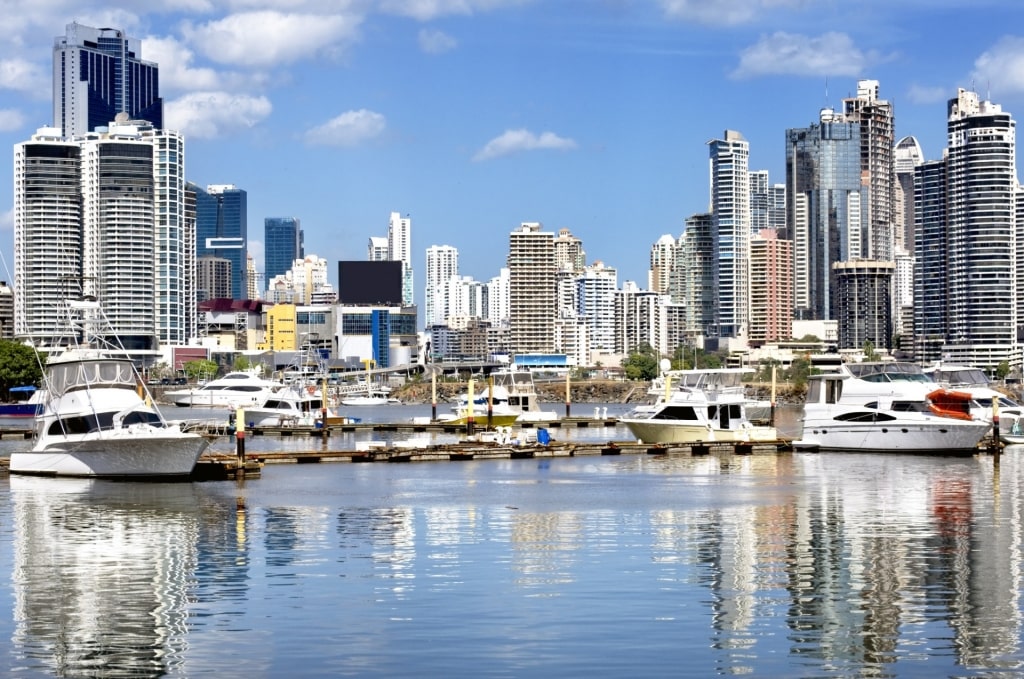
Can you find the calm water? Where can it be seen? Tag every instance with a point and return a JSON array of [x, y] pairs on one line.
[[765, 565]]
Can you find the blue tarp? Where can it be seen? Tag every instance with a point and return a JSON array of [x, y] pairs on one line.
[[29, 388]]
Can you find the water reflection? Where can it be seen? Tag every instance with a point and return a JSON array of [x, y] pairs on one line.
[[826, 565], [103, 573]]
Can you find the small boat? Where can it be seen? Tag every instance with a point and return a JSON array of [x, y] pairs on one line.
[[29, 406], [987, 400], [887, 407], [372, 399], [510, 397], [704, 405], [236, 389], [98, 419]]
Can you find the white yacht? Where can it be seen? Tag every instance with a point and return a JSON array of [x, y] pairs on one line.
[[98, 420], [237, 389], [511, 397], [701, 405], [294, 405], [975, 382], [887, 407]]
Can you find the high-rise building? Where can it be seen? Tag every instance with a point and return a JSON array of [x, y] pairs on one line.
[[730, 215], [85, 224], [695, 257], [569, 253], [282, 245], [659, 275], [771, 288], [222, 230], [532, 308], [906, 157], [595, 304], [377, 249], [99, 73], [965, 207], [863, 303], [400, 250], [213, 278], [498, 302], [877, 137], [826, 216], [177, 320], [442, 265]]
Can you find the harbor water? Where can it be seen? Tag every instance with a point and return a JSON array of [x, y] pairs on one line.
[[764, 565]]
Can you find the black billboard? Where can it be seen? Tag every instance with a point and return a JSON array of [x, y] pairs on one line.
[[370, 283]]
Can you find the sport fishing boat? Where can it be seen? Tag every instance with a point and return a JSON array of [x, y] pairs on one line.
[[98, 420], [887, 407], [700, 405]]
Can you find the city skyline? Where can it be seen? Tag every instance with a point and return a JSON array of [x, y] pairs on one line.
[[474, 117]]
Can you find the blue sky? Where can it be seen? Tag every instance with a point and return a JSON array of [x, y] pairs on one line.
[[472, 116]]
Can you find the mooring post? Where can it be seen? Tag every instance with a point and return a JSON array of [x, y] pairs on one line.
[[567, 399], [240, 441], [470, 428], [995, 428], [323, 411], [433, 395], [490, 401]]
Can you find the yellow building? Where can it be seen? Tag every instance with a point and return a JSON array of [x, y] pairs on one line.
[[280, 328]]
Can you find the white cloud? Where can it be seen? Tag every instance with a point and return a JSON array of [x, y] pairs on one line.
[[270, 38], [425, 10], [25, 76], [514, 141], [176, 71], [921, 94], [348, 129], [436, 42], [1002, 66], [792, 54], [723, 12], [204, 115], [7, 220], [10, 119]]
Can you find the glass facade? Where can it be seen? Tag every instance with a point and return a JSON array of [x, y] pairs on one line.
[[221, 230], [282, 242]]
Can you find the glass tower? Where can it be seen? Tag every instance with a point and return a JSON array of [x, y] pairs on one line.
[[282, 242], [221, 230], [98, 73]]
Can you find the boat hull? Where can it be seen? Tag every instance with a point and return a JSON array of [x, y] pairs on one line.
[[933, 436], [654, 431], [503, 420], [118, 454]]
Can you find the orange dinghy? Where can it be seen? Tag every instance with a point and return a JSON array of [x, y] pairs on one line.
[[947, 403]]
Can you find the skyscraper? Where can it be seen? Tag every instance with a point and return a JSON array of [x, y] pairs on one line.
[[826, 215], [532, 302], [282, 243], [442, 264], [965, 207], [907, 155], [730, 214], [85, 224], [875, 118], [400, 250], [98, 73], [222, 229]]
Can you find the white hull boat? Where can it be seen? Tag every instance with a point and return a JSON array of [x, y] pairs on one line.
[[703, 406], [96, 421], [237, 389], [887, 408]]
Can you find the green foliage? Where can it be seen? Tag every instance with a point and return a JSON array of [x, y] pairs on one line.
[[242, 363], [799, 371], [20, 365], [641, 364], [869, 351], [1002, 370], [201, 368]]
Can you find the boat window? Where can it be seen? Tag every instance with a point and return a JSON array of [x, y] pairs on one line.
[[865, 416], [833, 391], [142, 417], [677, 413], [243, 387]]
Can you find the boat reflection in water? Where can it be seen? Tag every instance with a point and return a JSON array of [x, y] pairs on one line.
[[102, 574]]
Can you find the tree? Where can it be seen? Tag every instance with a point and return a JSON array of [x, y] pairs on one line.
[[869, 351], [641, 364], [799, 371], [1002, 370], [243, 363], [200, 368], [20, 365]]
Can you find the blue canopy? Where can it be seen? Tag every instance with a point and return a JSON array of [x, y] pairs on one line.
[[29, 388]]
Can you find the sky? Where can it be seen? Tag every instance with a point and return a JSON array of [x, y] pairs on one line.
[[473, 116]]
